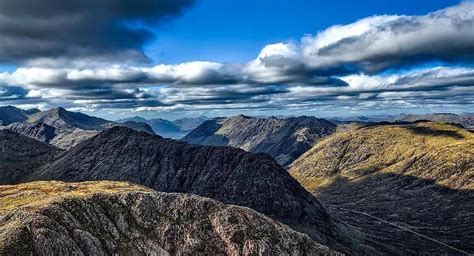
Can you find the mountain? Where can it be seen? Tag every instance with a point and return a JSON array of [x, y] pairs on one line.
[[60, 118], [228, 175], [187, 124], [9, 115], [65, 129], [161, 127], [40, 131], [466, 120], [138, 126], [394, 181], [21, 155], [283, 139], [108, 218]]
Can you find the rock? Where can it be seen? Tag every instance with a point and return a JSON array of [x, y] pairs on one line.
[[113, 218]]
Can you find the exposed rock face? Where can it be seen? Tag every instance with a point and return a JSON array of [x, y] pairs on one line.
[[283, 139], [20, 155], [9, 115], [39, 131], [417, 176], [223, 173], [107, 218]]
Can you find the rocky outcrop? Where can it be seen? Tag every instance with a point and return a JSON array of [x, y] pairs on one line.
[[20, 156], [111, 218], [283, 139], [409, 185], [40, 131]]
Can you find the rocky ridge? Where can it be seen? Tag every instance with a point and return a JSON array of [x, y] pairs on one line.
[[106, 218]]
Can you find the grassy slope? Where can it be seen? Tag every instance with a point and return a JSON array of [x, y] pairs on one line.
[[419, 177], [434, 151], [37, 194]]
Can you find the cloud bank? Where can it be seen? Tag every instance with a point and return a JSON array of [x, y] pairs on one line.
[[376, 63]]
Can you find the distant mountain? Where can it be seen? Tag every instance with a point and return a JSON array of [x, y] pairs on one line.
[[418, 176], [466, 120], [229, 175], [283, 139], [66, 120], [65, 129], [9, 115], [188, 124], [138, 126], [168, 129], [113, 218], [21, 155], [40, 131], [161, 127]]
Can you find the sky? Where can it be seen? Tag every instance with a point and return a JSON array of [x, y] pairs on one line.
[[175, 58]]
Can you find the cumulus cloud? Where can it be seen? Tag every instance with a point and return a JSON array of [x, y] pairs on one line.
[[92, 29], [376, 43]]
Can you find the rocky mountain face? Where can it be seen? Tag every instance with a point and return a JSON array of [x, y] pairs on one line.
[[9, 115], [20, 156], [113, 218], [411, 185], [226, 174], [283, 139]]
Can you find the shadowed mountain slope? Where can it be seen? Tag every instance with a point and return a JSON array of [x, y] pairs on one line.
[[10, 114], [283, 139], [106, 218], [223, 173], [20, 156], [419, 176]]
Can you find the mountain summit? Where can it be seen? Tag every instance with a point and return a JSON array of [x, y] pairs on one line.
[[283, 139]]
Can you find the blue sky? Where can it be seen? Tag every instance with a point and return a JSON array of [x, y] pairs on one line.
[[161, 58], [235, 31]]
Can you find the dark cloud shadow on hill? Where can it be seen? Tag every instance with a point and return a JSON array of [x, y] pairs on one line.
[[439, 212]]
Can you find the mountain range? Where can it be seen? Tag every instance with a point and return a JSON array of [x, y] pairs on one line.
[[61, 128], [396, 180], [395, 188], [466, 119], [283, 139]]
